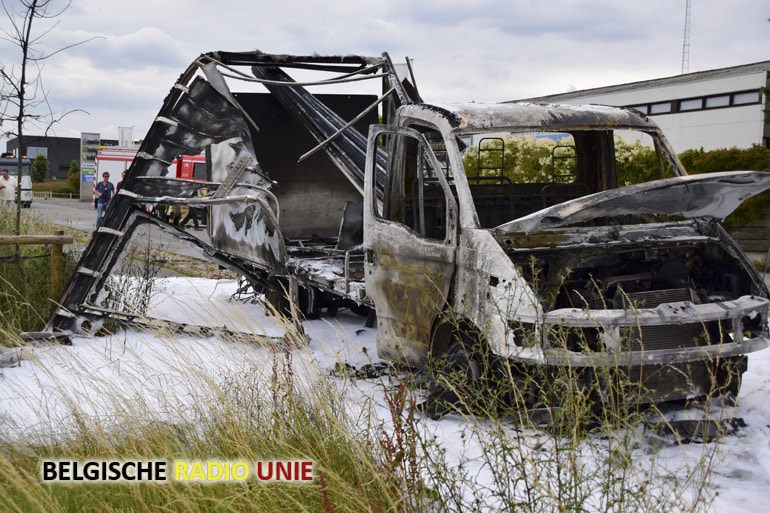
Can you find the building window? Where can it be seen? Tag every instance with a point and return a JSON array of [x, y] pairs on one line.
[[717, 101], [694, 104], [640, 108], [34, 151], [660, 108], [744, 98]]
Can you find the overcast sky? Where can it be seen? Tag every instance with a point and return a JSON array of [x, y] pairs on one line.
[[481, 50]]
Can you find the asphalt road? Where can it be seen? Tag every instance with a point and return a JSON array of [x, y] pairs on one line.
[[76, 214], [81, 215]]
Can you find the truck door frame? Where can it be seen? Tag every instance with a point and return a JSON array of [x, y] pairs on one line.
[[410, 251]]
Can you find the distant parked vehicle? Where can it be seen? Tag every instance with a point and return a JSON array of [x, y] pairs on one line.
[[11, 163]]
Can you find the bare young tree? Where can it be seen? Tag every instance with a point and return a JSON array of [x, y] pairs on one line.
[[23, 99]]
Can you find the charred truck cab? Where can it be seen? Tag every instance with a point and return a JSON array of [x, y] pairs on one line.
[[557, 264]]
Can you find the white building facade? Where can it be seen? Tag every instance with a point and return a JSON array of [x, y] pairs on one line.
[[723, 108]]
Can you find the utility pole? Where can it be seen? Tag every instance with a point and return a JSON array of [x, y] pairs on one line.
[[686, 42]]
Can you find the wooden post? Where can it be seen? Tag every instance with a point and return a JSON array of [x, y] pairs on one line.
[[57, 241], [36, 239], [57, 263]]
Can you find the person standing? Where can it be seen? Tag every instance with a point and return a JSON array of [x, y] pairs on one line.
[[104, 191], [7, 189], [120, 183], [176, 214], [194, 212]]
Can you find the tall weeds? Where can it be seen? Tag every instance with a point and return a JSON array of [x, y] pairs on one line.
[[563, 438], [25, 280], [536, 442]]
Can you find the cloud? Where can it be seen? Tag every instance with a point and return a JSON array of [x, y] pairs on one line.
[[141, 48], [487, 50]]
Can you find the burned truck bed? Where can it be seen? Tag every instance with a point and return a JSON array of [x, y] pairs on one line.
[[327, 278], [282, 165]]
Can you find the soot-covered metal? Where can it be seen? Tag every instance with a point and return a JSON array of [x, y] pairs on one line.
[[251, 178]]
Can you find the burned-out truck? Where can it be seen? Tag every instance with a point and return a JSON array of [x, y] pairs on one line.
[[509, 229], [467, 255]]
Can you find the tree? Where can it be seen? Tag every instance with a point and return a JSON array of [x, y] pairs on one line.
[[73, 175], [40, 168], [23, 99]]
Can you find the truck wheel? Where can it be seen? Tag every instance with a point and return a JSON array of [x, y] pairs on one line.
[[463, 363], [309, 302], [275, 296], [307, 298], [464, 376]]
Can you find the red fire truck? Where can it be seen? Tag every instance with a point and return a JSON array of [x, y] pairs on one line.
[[191, 166], [116, 160]]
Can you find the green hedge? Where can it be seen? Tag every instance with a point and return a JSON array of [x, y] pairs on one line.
[[529, 161], [756, 158]]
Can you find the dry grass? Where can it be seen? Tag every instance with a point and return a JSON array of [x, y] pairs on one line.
[[159, 396]]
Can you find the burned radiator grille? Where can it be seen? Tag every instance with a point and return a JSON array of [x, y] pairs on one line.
[[648, 338], [653, 298], [657, 383]]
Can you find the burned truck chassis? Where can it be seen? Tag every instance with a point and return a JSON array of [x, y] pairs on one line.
[[311, 263]]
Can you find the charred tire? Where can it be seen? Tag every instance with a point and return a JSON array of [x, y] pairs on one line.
[[464, 375], [275, 296], [463, 362], [309, 302], [356, 308]]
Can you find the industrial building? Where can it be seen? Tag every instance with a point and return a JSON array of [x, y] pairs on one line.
[[721, 108], [60, 151]]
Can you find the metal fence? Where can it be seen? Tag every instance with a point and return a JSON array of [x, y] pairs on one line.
[[49, 194]]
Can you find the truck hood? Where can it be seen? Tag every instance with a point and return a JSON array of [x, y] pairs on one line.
[[713, 195]]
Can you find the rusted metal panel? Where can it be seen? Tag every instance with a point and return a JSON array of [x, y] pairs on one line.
[[413, 284]]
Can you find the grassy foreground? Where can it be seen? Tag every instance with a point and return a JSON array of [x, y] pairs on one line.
[[371, 448], [279, 407], [266, 413]]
